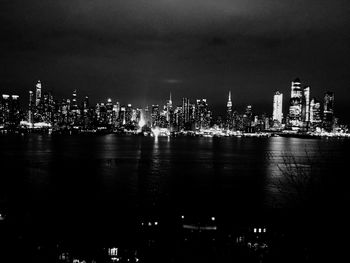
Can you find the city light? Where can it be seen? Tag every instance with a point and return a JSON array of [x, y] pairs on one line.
[[306, 116]]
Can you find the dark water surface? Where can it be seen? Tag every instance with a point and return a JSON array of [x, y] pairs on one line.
[[60, 183]]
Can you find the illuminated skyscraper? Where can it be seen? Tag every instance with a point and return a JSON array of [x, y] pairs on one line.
[[315, 113], [31, 107], [155, 115], [74, 106], [37, 93], [202, 115], [185, 111], [86, 104], [295, 107], [9, 111], [306, 105], [229, 112], [328, 111], [248, 118], [169, 108], [277, 114]]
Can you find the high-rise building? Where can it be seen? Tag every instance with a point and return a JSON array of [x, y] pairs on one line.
[[155, 115], [229, 121], [202, 115], [315, 113], [31, 107], [277, 114], [295, 107], [306, 105], [328, 111], [74, 107], [185, 111], [247, 119], [169, 108], [37, 93], [86, 104], [9, 111]]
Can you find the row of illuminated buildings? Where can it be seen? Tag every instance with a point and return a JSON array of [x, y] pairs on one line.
[[46, 112], [304, 113]]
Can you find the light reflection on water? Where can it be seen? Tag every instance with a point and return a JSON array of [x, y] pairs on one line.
[[141, 172]]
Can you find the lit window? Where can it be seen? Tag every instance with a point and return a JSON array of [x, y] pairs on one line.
[[264, 230], [254, 230], [213, 219], [156, 223], [259, 230]]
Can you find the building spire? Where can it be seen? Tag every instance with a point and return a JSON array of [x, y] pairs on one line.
[[229, 103], [170, 98]]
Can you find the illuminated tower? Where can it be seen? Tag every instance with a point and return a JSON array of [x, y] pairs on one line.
[[306, 105], [277, 114], [202, 115], [229, 112], [30, 107], [155, 115], [74, 101], [169, 107], [37, 93], [328, 110], [315, 113], [295, 107], [185, 110]]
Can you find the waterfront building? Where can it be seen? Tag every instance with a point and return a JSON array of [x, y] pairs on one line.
[[315, 114], [247, 119], [169, 109], [295, 106], [37, 93], [202, 115], [229, 115], [9, 111], [277, 114], [31, 107], [306, 105], [185, 112], [155, 115], [328, 111]]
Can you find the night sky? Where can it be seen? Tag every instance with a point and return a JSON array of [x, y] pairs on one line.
[[137, 51]]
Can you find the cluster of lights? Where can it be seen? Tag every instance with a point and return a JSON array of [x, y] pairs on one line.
[[150, 223], [259, 230]]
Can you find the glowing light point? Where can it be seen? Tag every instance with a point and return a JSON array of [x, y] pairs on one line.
[[142, 123], [156, 132]]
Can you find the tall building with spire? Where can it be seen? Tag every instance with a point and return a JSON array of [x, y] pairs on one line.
[[277, 113], [37, 93], [30, 107], [229, 119]]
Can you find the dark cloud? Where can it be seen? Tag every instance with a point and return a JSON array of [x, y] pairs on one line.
[[136, 51]]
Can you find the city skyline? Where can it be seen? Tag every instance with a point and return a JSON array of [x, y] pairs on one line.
[[305, 114]]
